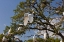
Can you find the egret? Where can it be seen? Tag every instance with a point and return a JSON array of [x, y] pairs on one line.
[[61, 40], [28, 18]]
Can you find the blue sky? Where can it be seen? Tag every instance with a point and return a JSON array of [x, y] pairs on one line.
[[6, 11]]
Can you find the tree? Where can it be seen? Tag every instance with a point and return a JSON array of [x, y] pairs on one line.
[[1, 36], [42, 40], [42, 14]]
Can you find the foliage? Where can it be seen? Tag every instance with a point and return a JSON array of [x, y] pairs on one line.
[[42, 40]]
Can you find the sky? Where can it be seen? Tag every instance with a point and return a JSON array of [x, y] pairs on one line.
[[6, 11]]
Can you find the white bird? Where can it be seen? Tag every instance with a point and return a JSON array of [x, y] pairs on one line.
[[28, 18], [63, 13], [4, 38]]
